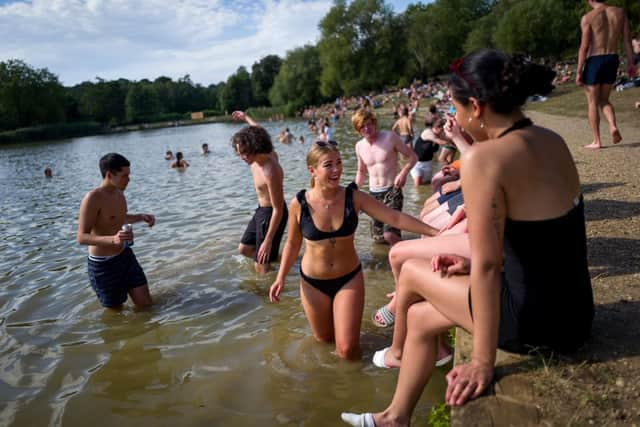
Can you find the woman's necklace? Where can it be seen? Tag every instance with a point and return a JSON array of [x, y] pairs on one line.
[[327, 205]]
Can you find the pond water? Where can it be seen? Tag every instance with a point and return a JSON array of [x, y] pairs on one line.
[[212, 350]]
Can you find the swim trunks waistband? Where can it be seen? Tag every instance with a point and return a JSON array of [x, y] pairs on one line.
[[379, 189]]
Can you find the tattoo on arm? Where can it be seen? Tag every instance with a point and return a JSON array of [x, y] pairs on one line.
[[497, 222]]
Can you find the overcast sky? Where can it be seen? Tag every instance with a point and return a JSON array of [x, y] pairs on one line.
[[80, 40]]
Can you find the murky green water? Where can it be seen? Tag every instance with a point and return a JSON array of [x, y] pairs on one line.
[[213, 351]]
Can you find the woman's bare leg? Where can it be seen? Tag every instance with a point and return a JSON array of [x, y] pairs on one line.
[[425, 249], [348, 306], [418, 282], [439, 217], [425, 323], [318, 308]]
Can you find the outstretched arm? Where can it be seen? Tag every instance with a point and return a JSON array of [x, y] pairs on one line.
[[241, 116], [385, 214]]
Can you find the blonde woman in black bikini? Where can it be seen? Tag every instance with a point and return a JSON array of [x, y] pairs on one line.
[[326, 216]]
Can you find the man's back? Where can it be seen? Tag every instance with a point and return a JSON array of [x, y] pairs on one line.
[[606, 24]]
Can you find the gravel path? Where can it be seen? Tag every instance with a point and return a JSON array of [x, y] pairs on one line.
[[601, 384]]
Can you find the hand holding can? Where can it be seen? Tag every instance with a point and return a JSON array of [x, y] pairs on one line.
[[128, 228]]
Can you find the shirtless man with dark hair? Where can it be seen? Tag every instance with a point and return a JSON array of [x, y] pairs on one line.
[[262, 237], [404, 126], [598, 62], [113, 269]]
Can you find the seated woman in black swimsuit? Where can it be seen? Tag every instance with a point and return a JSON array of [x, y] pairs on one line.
[[527, 283], [326, 216]]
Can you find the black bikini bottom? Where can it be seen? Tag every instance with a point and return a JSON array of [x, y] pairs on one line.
[[330, 287]]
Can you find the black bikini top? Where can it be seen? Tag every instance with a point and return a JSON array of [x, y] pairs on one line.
[[522, 123], [349, 223]]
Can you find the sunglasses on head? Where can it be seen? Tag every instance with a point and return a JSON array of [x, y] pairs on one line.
[[321, 143]]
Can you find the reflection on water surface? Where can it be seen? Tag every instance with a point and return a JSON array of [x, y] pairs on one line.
[[213, 350]]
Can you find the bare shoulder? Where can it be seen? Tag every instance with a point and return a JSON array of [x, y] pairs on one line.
[[94, 196], [615, 10], [272, 169], [294, 207]]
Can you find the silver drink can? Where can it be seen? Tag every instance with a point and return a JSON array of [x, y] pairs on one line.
[[128, 227]]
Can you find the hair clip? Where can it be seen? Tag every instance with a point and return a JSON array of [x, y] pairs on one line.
[[456, 65]]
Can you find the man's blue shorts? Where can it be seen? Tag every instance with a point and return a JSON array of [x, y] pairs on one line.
[[600, 69], [112, 279]]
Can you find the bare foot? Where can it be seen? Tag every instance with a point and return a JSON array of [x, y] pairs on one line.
[[593, 146], [615, 136], [390, 360]]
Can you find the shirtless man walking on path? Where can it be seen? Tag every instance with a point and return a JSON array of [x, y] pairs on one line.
[[377, 154], [404, 126], [598, 63], [113, 269], [261, 239]]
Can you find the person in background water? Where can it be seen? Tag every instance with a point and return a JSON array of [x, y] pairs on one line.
[[425, 146], [521, 189], [404, 126], [168, 155], [180, 163], [598, 62], [48, 172], [262, 237], [113, 268], [205, 149], [377, 154]]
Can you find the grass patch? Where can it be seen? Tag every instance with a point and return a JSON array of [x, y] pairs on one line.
[[570, 100], [440, 416]]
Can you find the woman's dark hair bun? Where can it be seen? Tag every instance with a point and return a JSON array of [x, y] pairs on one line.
[[522, 78], [500, 80]]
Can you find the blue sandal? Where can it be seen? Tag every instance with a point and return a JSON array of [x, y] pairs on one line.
[[383, 318]]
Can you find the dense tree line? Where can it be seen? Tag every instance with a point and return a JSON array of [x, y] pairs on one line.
[[363, 46]]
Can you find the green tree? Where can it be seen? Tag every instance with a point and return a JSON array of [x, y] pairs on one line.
[[236, 93], [297, 82], [437, 31], [104, 101], [361, 47], [542, 28], [141, 103], [29, 96], [263, 73]]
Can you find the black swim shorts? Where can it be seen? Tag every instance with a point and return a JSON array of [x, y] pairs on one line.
[[257, 229], [600, 69], [113, 278]]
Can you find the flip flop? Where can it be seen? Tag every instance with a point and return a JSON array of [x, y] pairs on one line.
[[358, 420], [386, 317], [378, 358], [444, 360]]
